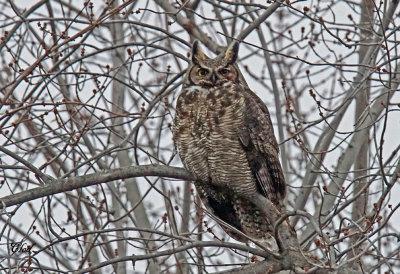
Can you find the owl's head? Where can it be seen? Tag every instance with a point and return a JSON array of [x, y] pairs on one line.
[[208, 72]]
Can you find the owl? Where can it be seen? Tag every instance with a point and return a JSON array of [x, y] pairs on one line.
[[224, 136]]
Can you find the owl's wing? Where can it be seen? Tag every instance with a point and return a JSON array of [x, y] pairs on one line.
[[258, 140]]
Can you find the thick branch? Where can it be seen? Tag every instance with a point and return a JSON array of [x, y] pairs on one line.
[[189, 26], [103, 176], [257, 22]]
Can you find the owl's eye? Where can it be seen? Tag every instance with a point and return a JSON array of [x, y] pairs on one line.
[[223, 71], [202, 72]]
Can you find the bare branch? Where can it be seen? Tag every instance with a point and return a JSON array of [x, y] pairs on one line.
[[63, 185]]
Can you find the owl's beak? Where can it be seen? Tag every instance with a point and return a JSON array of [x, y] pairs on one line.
[[213, 78]]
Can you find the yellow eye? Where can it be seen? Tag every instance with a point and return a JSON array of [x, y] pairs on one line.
[[202, 72], [223, 71]]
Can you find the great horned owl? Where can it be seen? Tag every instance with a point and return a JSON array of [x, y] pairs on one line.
[[224, 136]]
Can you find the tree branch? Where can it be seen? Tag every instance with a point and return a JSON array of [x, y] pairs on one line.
[[189, 26], [270, 10], [103, 176]]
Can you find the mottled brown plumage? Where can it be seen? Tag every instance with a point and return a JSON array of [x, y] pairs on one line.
[[225, 137]]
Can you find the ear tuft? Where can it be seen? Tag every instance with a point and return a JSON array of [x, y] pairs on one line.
[[197, 54], [231, 53]]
